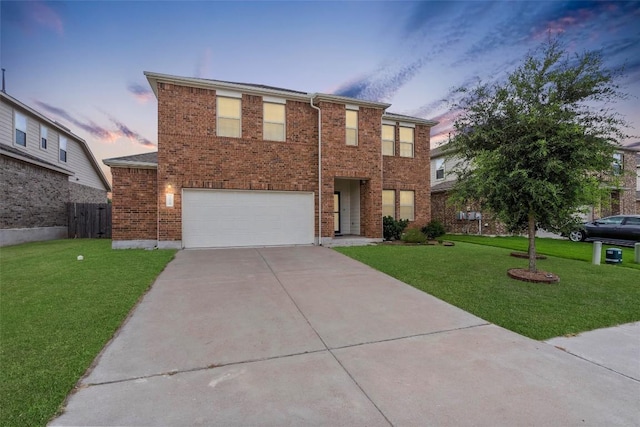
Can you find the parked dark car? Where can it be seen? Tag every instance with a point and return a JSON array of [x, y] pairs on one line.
[[617, 227]]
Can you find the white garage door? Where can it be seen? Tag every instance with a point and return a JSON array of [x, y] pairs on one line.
[[224, 218]]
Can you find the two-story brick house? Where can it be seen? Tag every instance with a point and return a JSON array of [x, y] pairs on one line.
[[253, 165], [43, 166]]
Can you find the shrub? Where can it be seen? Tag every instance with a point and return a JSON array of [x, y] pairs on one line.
[[392, 229], [433, 229], [413, 235]]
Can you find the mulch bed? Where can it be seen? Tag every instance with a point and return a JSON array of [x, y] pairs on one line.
[[525, 275], [526, 255]]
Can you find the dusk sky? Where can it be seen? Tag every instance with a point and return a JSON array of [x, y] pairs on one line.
[[82, 63]]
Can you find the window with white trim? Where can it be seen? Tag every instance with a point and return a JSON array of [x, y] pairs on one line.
[[63, 149], [352, 127], [229, 117], [20, 129], [439, 168], [407, 201], [406, 141], [388, 140], [389, 203], [274, 122], [44, 137]]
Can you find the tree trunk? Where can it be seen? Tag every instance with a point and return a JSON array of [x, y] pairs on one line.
[[532, 244]]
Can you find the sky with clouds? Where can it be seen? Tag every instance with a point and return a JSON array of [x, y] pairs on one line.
[[82, 63]]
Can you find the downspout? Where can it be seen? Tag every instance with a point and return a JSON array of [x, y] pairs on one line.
[[319, 168]]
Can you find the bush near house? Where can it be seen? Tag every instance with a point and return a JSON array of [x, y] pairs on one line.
[[392, 228], [433, 229], [413, 235]]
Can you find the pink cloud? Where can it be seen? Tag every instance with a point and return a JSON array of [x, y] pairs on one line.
[[142, 94]]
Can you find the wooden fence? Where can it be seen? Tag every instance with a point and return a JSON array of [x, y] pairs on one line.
[[89, 220]]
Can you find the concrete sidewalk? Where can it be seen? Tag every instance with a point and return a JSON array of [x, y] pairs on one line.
[[616, 348], [306, 336]]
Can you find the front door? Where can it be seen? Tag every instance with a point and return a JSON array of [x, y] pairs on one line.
[[336, 213]]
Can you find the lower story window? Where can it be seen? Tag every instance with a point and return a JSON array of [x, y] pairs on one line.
[[389, 203], [407, 205]]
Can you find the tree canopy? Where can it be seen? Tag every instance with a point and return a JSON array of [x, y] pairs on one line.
[[537, 147]]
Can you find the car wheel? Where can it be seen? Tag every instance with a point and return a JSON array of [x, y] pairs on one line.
[[577, 236]]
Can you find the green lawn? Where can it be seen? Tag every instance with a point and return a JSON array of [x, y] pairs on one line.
[[56, 314], [474, 278], [555, 247]]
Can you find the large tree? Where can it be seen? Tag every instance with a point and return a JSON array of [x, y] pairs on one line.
[[537, 147]]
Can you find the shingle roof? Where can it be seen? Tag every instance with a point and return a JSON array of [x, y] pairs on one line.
[[443, 186], [148, 160]]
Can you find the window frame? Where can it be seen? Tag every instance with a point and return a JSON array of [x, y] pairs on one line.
[[404, 143], [348, 128], [393, 141], [413, 204], [44, 137], [387, 205], [440, 169], [220, 116], [16, 122], [62, 141], [265, 121], [618, 163]]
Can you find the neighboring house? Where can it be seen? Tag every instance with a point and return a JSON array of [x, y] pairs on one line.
[[456, 219], [43, 166], [254, 165], [638, 183], [472, 219]]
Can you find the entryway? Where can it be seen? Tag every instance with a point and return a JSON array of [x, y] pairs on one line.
[[346, 207]]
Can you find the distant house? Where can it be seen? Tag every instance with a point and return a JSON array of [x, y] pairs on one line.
[[252, 165], [472, 219], [43, 166], [638, 182]]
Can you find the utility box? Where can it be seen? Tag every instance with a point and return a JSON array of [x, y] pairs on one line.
[[613, 256]]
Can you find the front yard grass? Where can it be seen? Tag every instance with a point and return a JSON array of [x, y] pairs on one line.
[[474, 278], [554, 247], [56, 314]]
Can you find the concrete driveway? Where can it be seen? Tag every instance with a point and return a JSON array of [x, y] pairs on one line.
[[306, 336]]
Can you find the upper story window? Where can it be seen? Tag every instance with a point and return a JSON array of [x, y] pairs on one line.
[[229, 117], [406, 141], [389, 203], [439, 168], [352, 127], [21, 129], [407, 205], [274, 122], [617, 163], [44, 137], [388, 140], [63, 149]]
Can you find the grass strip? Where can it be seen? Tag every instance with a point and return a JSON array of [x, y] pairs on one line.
[[582, 251], [56, 314], [474, 278]]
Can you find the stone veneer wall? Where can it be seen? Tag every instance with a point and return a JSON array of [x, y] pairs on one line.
[[32, 196], [84, 194]]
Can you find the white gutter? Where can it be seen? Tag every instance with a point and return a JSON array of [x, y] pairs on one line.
[[319, 169]]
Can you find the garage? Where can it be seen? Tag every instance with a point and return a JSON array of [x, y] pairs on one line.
[[228, 218]]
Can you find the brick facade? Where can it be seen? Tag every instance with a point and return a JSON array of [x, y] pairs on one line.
[[402, 173], [192, 156], [445, 211], [32, 196], [134, 206]]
